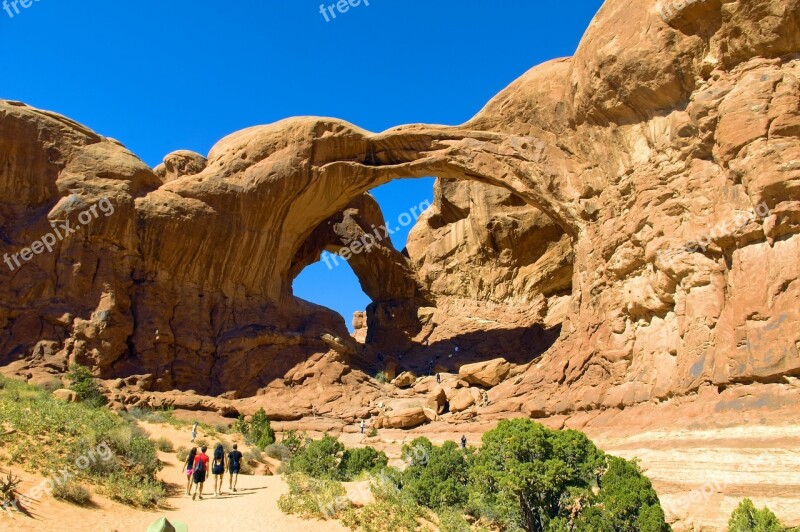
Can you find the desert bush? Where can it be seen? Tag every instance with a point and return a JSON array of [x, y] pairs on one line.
[[382, 377], [294, 441], [8, 490], [246, 469], [182, 454], [319, 459], [134, 491], [313, 498], [437, 476], [746, 518], [83, 383], [278, 451], [452, 520], [393, 509], [355, 461], [164, 445], [72, 492], [372, 432], [526, 476]]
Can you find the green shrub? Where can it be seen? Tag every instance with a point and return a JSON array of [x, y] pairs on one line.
[[134, 491], [354, 461], [313, 498], [258, 431], [372, 432], [393, 509], [136, 448], [278, 451], [83, 383], [72, 492], [526, 476], [164, 445], [630, 498], [746, 518], [451, 520], [382, 377], [294, 441], [436, 477], [319, 458]]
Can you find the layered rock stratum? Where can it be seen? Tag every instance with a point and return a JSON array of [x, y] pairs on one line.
[[621, 226]]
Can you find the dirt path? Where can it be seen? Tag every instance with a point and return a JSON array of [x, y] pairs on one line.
[[253, 508]]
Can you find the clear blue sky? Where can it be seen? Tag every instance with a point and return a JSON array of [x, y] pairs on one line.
[[161, 75]]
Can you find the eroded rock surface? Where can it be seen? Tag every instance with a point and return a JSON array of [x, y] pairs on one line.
[[621, 226]]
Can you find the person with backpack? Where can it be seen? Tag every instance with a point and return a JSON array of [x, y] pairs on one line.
[[463, 441], [234, 464], [199, 473], [218, 469], [188, 466]]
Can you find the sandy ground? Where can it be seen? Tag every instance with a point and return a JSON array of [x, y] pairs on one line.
[[254, 507]]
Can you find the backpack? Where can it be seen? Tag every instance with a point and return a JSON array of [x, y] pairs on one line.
[[199, 465]]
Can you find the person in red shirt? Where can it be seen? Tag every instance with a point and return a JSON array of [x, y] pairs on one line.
[[199, 472]]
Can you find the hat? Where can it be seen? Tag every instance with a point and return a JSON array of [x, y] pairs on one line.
[[162, 525]]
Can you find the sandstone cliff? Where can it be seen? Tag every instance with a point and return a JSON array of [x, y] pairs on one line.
[[624, 230]]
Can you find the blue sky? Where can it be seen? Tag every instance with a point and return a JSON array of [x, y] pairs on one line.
[[161, 75]]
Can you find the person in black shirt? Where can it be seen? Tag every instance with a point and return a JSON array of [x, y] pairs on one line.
[[234, 464]]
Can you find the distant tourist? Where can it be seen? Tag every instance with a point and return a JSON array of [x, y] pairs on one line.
[[463, 441], [189, 467], [362, 426], [456, 350], [218, 468], [194, 430], [427, 342], [438, 378], [199, 473], [234, 464]]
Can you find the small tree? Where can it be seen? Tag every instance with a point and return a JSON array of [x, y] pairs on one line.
[[354, 461], [319, 458], [439, 478], [746, 518], [83, 383], [258, 431]]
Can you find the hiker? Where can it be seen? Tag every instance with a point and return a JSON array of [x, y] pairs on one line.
[[199, 473], [218, 469], [463, 441], [189, 467], [234, 464], [362, 426], [438, 378], [194, 430]]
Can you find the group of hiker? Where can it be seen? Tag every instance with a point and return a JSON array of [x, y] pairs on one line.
[[197, 466]]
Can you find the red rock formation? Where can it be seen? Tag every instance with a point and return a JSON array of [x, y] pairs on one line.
[[664, 155]]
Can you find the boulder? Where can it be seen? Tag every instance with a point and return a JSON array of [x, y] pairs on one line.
[[405, 380], [67, 396], [403, 419], [464, 398], [489, 373]]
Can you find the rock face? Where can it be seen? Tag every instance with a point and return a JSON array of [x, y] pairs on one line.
[[621, 226]]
